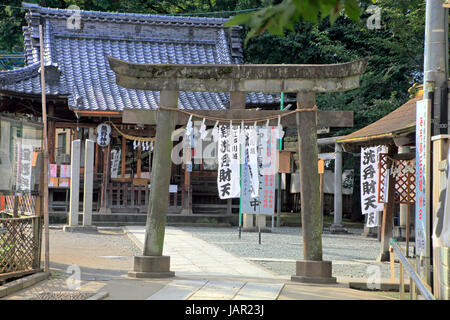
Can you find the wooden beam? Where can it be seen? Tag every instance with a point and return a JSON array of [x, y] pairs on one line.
[[93, 113], [74, 125], [324, 118]]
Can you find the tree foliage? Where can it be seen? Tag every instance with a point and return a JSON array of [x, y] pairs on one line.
[[279, 17]]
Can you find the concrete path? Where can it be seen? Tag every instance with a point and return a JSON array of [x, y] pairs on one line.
[[208, 272], [191, 256]]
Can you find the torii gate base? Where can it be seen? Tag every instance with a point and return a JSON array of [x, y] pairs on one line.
[[313, 272], [151, 267], [305, 80]]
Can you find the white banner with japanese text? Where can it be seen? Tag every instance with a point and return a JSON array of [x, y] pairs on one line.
[[369, 184], [228, 177], [267, 157]]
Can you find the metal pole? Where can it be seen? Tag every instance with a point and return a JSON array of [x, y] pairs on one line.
[[240, 198], [435, 81], [338, 186], [45, 158], [279, 174]]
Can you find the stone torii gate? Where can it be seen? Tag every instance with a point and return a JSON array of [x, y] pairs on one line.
[[305, 80]]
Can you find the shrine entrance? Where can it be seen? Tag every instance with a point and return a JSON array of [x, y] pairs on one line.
[[304, 80]]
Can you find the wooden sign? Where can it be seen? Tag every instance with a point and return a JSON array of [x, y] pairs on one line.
[[321, 166], [285, 162]]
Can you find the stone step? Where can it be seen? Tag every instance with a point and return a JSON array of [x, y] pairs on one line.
[[217, 290]]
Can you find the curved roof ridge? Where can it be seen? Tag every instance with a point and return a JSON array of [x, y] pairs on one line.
[[125, 16], [12, 76]]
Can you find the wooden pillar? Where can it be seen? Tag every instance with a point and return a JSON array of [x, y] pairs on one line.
[[237, 100], [312, 268], [51, 133], [105, 179], [309, 177], [187, 196], [139, 162], [162, 165], [124, 157], [97, 160], [388, 214]]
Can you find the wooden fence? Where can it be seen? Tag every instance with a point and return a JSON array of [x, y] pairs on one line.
[[19, 204], [20, 249]]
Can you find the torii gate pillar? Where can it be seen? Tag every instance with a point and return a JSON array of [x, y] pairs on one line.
[[305, 80], [312, 269]]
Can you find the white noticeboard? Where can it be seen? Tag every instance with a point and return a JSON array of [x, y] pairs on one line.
[[115, 159], [369, 184], [423, 134], [173, 188], [24, 167]]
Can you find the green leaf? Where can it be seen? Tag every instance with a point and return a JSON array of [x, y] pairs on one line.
[[352, 9], [239, 19]]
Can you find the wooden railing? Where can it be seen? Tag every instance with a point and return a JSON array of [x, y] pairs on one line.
[[19, 204], [127, 195]]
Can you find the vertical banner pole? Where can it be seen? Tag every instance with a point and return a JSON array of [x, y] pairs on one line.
[[240, 198], [279, 174], [259, 228]]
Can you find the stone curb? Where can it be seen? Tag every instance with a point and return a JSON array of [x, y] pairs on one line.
[[383, 286], [133, 238], [99, 296], [22, 283]]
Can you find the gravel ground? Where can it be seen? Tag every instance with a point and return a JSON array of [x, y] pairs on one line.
[[353, 255], [106, 254], [62, 295]]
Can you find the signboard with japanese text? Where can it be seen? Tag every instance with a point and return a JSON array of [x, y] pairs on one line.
[[228, 177], [24, 167], [369, 184], [423, 134], [115, 160], [264, 202]]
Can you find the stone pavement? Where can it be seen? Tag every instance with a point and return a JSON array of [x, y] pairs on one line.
[[209, 272], [202, 271]]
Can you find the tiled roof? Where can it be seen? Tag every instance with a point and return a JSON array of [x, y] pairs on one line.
[[398, 121], [77, 65]]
